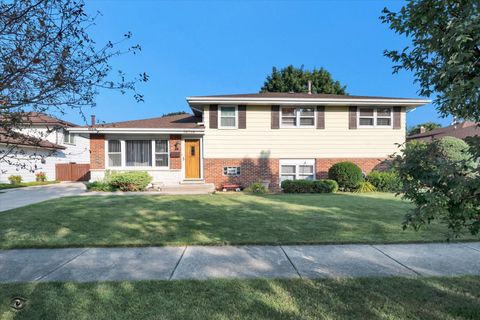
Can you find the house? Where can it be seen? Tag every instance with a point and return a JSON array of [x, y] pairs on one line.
[[38, 145], [244, 138], [457, 130]]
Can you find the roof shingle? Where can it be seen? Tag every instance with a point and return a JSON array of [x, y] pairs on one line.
[[182, 121]]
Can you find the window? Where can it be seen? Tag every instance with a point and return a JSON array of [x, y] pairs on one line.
[[138, 153], [375, 117], [228, 117], [161, 153], [231, 171], [297, 117], [384, 116], [68, 138], [297, 170], [114, 153]]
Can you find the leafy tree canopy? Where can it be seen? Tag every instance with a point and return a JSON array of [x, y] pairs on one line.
[[429, 126], [49, 63], [445, 52], [292, 79]]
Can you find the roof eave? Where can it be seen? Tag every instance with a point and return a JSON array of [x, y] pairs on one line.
[[33, 146], [193, 101], [94, 130]]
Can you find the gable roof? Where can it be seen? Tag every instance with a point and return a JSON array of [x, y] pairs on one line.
[[181, 121], [459, 130], [266, 98], [38, 118], [19, 139]]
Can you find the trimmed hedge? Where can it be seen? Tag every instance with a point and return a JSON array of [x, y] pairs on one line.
[[130, 180], [100, 186], [387, 181], [309, 186], [347, 174]]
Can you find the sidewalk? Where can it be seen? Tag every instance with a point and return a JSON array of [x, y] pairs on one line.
[[203, 262]]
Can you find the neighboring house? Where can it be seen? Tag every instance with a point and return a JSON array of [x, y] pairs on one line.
[[38, 145], [457, 130], [244, 138]]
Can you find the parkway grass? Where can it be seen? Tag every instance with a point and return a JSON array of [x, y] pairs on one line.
[[380, 298], [212, 220]]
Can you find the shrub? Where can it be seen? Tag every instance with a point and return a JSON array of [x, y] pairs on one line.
[[256, 187], [325, 186], [298, 186], [452, 149], [309, 186], [100, 186], [364, 187], [347, 174], [40, 176], [130, 180], [15, 179], [386, 181]]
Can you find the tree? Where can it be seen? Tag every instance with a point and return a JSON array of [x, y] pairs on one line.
[[429, 126], [292, 79], [49, 63], [445, 52], [442, 180]]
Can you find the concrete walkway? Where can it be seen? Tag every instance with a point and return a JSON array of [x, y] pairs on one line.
[[199, 262], [19, 197]]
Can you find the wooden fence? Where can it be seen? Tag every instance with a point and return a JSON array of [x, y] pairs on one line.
[[72, 171]]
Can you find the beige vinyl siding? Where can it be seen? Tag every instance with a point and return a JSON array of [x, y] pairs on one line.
[[335, 141]]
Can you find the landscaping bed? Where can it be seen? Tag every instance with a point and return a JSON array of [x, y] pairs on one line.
[[218, 219]]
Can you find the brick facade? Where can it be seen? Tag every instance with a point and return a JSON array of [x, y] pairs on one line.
[[97, 151], [366, 164], [175, 152], [253, 170]]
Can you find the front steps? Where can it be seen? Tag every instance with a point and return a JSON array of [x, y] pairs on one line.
[[185, 187]]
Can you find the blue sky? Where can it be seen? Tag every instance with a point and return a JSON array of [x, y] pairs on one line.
[[200, 48]]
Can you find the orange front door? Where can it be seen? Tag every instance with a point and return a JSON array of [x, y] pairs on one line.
[[192, 159]]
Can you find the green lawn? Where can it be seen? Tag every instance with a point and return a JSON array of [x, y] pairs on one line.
[[211, 219], [386, 298], [25, 184]]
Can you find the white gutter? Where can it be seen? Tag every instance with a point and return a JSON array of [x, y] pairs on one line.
[[93, 130], [307, 101]]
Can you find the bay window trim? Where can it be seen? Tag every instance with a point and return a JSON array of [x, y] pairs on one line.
[[374, 117], [220, 126], [123, 155], [298, 117]]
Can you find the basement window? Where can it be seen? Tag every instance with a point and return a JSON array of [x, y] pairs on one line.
[[231, 171], [297, 169]]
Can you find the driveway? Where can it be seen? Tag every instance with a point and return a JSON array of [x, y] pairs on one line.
[[15, 198]]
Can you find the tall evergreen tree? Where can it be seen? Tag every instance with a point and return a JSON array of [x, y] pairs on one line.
[[292, 79]]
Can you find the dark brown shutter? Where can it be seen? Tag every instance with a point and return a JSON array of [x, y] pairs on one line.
[[213, 116], [275, 117], [242, 117], [352, 117], [397, 117], [320, 117]]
